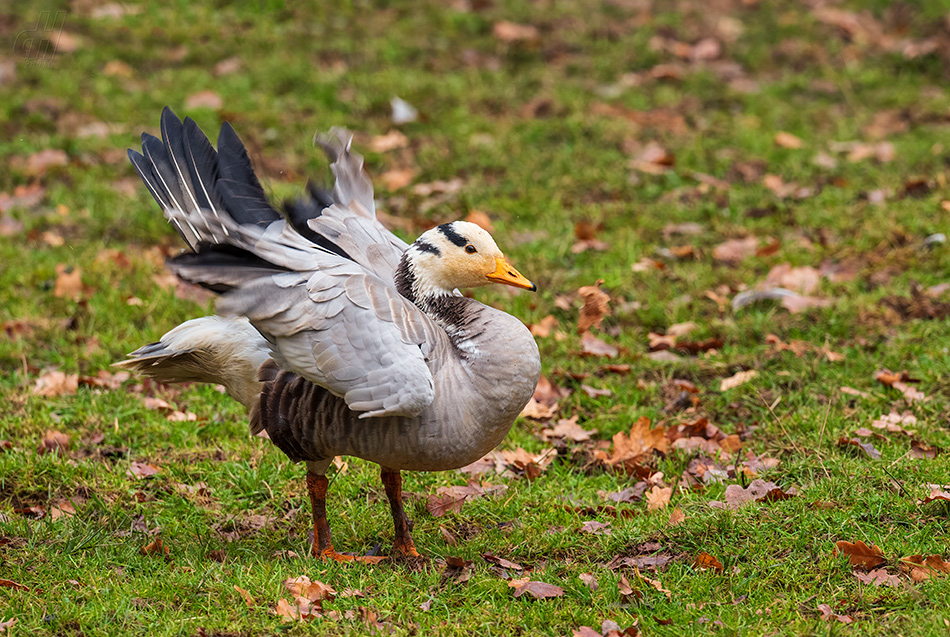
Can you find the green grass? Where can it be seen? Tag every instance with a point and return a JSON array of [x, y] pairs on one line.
[[306, 68]]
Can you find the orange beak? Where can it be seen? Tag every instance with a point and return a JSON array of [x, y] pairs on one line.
[[506, 273]]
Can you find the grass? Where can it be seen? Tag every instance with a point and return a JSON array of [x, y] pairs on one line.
[[524, 125]]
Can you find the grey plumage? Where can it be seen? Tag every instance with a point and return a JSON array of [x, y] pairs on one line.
[[336, 356]]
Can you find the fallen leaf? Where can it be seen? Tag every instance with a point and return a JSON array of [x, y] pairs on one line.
[[155, 547], [653, 159], [654, 583], [298, 610], [204, 99], [757, 491], [502, 562], [480, 219], [827, 614], [390, 141], [593, 346], [921, 450], [735, 250], [314, 591], [787, 140], [677, 517], [53, 442], [937, 493], [867, 447], [878, 577], [7, 623], [545, 327], [538, 411], [737, 379], [448, 499], [922, 568], [803, 280], [538, 590], [68, 283], [8, 583], [658, 497], [568, 429], [596, 307], [860, 554], [397, 179], [510, 32], [705, 561], [40, 163], [248, 599], [141, 470], [595, 528], [590, 580]]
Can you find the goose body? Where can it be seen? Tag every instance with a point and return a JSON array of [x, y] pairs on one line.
[[338, 337]]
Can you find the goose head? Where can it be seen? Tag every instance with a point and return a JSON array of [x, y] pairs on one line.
[[455, 255]]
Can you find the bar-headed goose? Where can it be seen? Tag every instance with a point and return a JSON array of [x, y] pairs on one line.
[[338, 337]]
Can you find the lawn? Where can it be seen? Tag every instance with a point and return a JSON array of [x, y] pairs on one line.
[[760, 187]]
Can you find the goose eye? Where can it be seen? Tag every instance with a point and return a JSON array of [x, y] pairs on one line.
[[470, 249]]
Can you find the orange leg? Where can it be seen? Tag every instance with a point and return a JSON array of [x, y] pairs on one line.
[[403, 545], [322, 543]]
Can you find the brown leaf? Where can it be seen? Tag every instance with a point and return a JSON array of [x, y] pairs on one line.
[[68, 283], [141, 470], [298, 610], [658, 497], [593, 346], [538, 411], [568, 429], [922, 568], [390, 141], [757, 491], [590, 580], [787, 140], [248, 598], [596, 306], [595, 528], [737, 379], [9, 583], [155, 547], [315, 591], [538, 590], [447, 499], [827, 614], [502, 562], [878, 577], [735, 250], [860, 554], [921, 450], [803, 280], [641, 441], [40, 163], [937, 493], [56, 383], [63, 509], [654, 583], [677, 517], [653, 159], [510, 32], [397, 179], [867, 447], [705, 561], [545, 327], [204, 99], [53, 442]]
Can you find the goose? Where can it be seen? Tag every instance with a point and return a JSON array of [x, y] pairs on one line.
[[338, 337]]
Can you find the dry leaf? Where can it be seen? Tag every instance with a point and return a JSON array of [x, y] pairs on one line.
[[787, 140], [867, 447], [56, 383], [314, 591], [204, 99], [510, 32], [735, 250], [53, 442], [827, 614], [155, 547], [397, 179], [248, 599], [141, 470], [658, 497], [593, 346], [545, 327], [538, 411], [937, 493], [706, 561], [596, 306], [595, 528], [448, 499], [922, 568], [878, 577], [860, 554], [803, 280], [68, 283], [677, 517], [757, 491], [568, 429], [654, 583], [390, 141], [480, 219], [737, 379], [502, 562], [538, 590]]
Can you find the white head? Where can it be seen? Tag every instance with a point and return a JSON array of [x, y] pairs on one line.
[[457, 255]]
